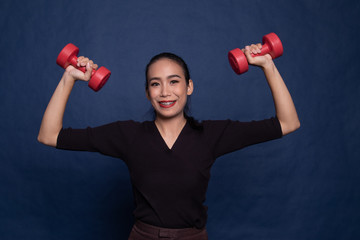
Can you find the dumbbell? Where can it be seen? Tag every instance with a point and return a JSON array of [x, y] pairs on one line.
[[68, 56], [271, 45]]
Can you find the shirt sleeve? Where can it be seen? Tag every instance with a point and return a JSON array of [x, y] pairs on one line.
[[111, 139], [228, 136]]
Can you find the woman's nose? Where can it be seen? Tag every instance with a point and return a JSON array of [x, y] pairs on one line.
[[165, 91]]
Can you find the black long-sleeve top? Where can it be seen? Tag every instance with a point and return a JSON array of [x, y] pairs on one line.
[[169, 185]]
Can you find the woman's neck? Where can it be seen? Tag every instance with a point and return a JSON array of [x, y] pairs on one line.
[[170, 126]]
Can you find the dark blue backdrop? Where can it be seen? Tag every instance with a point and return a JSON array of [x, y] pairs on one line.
[[303, 186]]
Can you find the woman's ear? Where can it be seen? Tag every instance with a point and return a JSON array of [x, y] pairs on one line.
[[190, 87], [147, 94]]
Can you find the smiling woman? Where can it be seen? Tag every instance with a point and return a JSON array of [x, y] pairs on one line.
[[169, 159], [167, 76], [168, 89]]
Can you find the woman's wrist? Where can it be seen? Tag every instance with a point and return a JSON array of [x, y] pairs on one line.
[[268, 66], [68, 78]]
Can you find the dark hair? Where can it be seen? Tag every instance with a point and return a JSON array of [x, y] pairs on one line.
[[166, 55]]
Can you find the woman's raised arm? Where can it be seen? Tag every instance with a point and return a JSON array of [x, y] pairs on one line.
[[284, 105], [52, 121]]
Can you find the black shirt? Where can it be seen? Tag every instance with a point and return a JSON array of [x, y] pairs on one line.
[[169, 185]]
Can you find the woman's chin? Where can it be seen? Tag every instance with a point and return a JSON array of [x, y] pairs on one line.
[[166, 115]]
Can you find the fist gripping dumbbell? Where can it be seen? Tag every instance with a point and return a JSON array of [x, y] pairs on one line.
[[271, 45], [68, 56]]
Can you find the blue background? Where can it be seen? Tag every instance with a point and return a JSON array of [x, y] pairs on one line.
[[303, 186]]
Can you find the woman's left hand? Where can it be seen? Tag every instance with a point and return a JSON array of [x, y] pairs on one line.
[[256, 59]]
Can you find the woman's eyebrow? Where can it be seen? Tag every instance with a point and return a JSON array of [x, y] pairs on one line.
[[172, 76], [168, 77], [154, 78]]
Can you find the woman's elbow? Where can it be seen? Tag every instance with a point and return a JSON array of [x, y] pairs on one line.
[[46, 140], [289, 128], [296, 126]]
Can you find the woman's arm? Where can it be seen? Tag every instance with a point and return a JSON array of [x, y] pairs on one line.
[[284, 105], [53, 117]]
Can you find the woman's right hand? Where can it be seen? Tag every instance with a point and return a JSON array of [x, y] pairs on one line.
[[73, 74]]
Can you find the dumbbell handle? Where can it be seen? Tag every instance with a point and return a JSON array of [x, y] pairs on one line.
[[264, 50], [73, 62]]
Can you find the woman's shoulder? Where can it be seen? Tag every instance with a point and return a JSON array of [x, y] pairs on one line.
[[207, 124], [121, 125], [237, 125]]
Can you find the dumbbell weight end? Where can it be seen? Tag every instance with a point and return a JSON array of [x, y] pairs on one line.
[[99, 78], [238, 61]]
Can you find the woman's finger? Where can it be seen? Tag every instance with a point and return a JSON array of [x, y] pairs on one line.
[[87, 74]]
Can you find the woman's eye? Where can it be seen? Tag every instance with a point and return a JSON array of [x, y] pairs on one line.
[[174, 81], [154, 84]]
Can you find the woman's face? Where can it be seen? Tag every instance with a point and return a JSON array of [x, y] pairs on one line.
[[167, 89]]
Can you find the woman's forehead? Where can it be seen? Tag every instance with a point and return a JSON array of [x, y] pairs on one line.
[[165, 67]]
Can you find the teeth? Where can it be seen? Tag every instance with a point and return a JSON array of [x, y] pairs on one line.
[[166, 103]]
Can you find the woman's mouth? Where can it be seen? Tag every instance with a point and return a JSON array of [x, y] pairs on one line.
[[167, 104]]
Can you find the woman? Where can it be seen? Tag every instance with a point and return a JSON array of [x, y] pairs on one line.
[[169, 159]]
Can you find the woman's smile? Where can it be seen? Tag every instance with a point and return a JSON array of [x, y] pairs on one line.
[[167, 104]]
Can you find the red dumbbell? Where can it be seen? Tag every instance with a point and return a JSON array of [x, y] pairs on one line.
[[68, 56], [271, 45]]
